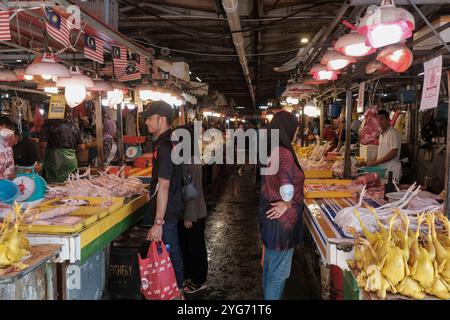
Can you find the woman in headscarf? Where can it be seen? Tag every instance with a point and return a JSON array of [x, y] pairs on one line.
[[281, 204]]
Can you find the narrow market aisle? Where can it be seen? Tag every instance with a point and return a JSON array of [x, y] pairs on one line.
[[234, 246]]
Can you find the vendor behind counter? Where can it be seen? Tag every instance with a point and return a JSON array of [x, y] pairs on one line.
[[58, 141], [25, 149]]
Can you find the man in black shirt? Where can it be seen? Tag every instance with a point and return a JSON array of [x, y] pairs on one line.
[[167, 201]]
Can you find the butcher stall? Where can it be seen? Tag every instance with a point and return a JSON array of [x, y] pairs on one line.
[[79, 218]]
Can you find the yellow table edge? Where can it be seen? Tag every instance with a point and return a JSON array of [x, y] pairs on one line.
[[97, 229]]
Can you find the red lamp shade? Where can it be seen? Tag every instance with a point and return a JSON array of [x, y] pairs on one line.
[[386, 25], [314, 81], [376, 66], [298, 88], [320, 72], [353, 44], [396, 57], [335, 61]]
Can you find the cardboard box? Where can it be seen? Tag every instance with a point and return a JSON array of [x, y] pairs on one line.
[[368, 152]]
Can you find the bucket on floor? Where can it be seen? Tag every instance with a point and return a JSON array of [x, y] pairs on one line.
[[124, 277]]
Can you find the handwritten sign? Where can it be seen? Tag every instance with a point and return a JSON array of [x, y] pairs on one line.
[[431, 83], [57, 107], [360, 105]]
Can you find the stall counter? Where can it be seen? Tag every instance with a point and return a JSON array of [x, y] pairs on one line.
[[78, 247]]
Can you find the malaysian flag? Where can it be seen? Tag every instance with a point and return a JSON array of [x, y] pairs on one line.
[[131, 73], [141, 64], [93, 48], [106, 70], [5, 32], [57, 27], [119, 55]]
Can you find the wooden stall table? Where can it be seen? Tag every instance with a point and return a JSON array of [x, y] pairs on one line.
[[37, 280]]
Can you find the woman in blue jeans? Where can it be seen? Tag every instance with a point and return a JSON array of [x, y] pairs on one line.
[[280, 210]]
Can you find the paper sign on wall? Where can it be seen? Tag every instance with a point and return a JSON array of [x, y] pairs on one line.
[[431, 83], [57, 107], [360, 105]]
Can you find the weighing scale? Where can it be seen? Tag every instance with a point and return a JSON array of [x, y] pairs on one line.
[[31, 187], [132, 152]]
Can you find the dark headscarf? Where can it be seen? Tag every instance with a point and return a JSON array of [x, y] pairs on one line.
[[287, 124]]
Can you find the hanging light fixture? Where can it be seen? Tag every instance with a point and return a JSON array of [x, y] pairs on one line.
[[335, 61], [75, 86], [48, 87], [47, 67], [397, 57], [100, 85], [299, 88], [312, 81], [116, 96], [375, 66], [7, 75], [320, 72], [387, 24], [353, 44], [291, 100], [311, 110], [20, 73]]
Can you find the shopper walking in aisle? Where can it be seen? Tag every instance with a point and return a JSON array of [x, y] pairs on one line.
[[192, 227], [280, 210], [109, 138], [167, 202]]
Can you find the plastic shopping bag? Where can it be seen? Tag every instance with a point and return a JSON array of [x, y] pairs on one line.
[[370, 127], [158, 280]]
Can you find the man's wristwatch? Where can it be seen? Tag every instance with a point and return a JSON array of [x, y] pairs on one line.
[[159, 222]]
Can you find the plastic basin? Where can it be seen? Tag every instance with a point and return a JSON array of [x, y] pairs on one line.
[[378, 170], [9, 191], [395, 196]]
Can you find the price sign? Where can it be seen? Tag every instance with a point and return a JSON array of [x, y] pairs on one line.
[[57, 107]]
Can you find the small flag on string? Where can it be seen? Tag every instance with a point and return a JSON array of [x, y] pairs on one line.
[[131, 73], [57, 27], [119, 55], [5, 31], [93, 48], [106, 70], [141, 64]]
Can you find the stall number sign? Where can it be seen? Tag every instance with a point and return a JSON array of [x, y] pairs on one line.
[[431, 83], [57, 107]]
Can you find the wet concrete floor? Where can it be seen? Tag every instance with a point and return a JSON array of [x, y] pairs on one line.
[[234, 245]]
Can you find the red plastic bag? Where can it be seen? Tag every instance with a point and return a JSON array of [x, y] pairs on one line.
[[158, 280], [370, 127]]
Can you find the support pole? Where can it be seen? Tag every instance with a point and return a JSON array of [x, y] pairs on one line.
[[322, 119], [302, 126], [99, 129], [120, 135], [348, 120], [447, 160]]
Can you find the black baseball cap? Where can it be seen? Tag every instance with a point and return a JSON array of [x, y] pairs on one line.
[[160, 108]]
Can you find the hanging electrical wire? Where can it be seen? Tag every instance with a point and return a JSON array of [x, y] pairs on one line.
[[216, 54], [210, 34]]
